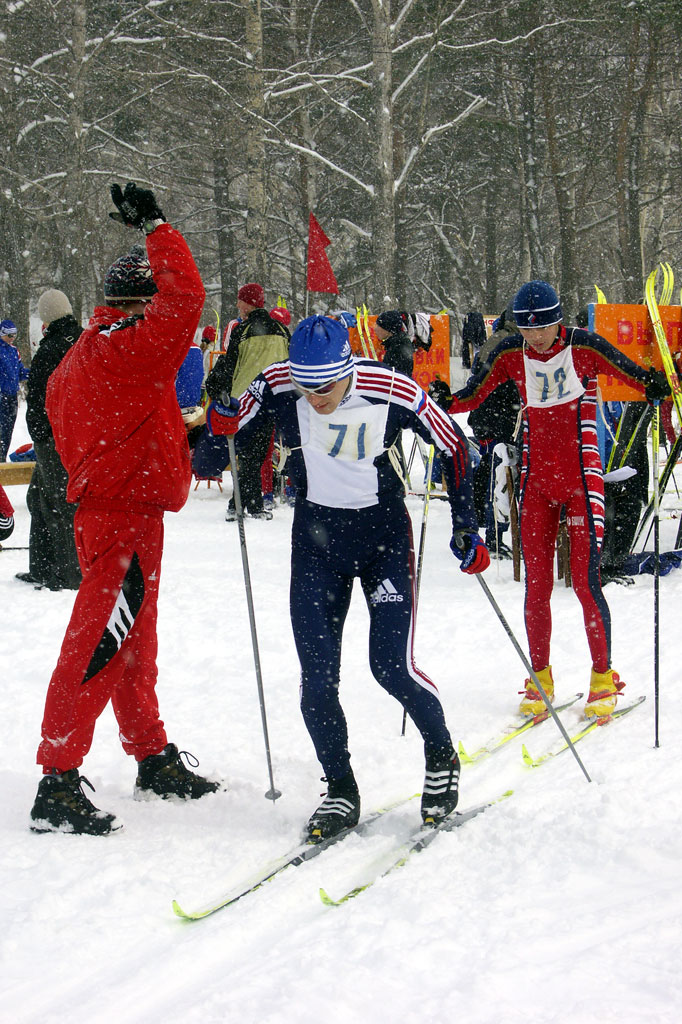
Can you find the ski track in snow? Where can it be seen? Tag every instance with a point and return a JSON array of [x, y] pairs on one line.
[[562, 904]]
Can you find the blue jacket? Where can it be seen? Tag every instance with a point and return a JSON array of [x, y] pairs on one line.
[[190, 378], [12, 370]]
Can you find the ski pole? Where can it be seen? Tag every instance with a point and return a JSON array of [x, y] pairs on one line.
[[655, 440], [272, 794], [422, 538], [524, 659], [412, 454]]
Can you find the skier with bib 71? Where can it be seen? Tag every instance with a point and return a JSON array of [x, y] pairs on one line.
[[555, 369], [340, 418]]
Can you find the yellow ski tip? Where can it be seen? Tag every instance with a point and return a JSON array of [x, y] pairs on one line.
[[463, 756], [527, 759]]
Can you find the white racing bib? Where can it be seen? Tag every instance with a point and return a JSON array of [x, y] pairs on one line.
[[339, 452], [553, 382]]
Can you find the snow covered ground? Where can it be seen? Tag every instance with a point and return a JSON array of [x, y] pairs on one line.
[[562, 903]]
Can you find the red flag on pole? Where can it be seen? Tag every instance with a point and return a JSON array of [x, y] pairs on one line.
[[320, 274]]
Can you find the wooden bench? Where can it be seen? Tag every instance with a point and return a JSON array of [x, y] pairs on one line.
[[16, 472]]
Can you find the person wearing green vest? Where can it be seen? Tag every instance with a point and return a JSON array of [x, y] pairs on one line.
[[256, 342]]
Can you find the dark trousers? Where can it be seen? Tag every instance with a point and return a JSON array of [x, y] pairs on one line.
[[330, 548], [8, 414], [249, 466], [52, 557]]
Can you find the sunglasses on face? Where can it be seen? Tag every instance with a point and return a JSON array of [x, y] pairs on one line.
[[324, 389]]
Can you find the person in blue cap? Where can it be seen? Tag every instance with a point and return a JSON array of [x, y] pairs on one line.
[[340, 418], [12, 372], [555, 369]]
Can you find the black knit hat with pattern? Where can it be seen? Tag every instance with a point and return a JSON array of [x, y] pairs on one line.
[[130, 277]]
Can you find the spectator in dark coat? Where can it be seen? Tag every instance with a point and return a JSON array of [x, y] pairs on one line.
[[391, 330], [255, 342], [52, 558]]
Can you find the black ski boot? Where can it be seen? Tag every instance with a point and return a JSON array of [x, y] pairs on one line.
[[165, 775], [62, 806], [340, 809], [441, 782]]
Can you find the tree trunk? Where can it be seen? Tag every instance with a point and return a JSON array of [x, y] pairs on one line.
[[227, 268], [531, 162], [75, 227], [383, 296], [568, 287], [256, 253]]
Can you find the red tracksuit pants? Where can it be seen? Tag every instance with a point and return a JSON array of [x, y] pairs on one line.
[[110, 646], [541, 503]]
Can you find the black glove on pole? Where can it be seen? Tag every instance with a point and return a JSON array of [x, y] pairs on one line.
[[657, 387]]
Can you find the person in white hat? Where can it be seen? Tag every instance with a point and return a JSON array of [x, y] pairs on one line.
[[52, 558]]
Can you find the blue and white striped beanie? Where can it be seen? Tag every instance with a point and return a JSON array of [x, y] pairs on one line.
[[536, 304], [320, 352]]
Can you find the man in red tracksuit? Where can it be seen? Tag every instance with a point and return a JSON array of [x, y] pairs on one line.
[[555, 370], [119, 432]]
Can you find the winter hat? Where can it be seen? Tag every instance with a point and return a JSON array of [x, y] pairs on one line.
[[208, 334], [130, 277], [346, 317], [53, 305], [536, 304], [319, 352], [281, 314], [8, 327], [252, 293], [392, 321]]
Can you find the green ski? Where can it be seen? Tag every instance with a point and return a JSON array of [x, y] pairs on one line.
[[597, 723]]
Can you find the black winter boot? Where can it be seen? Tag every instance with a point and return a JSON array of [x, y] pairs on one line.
[[62, 806], [339, 810], [441, 782], [165, 775]]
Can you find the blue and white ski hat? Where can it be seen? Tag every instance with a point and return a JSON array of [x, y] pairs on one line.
[[320, 352], [8, 328], [536, 304]]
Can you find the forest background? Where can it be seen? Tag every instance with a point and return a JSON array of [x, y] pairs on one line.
[[449, 149]]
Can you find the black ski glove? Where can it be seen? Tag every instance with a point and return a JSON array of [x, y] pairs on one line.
[[440, 393], [136, 207], [657, 387]]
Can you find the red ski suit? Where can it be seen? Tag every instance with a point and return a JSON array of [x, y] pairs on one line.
[[560, 467], [119, 432]]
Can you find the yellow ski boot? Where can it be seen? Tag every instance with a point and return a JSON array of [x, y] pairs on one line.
[[604, 690], [532, 703]]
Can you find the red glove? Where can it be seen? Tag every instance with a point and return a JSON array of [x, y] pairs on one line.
[[222, 419], [471, 551]]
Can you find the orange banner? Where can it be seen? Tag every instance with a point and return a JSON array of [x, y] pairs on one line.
[[427, 365], [629, 329]]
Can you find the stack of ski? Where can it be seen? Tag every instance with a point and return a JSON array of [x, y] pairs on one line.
[[659, 332]]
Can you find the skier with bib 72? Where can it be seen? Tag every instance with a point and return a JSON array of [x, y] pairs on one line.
[[555, 369]]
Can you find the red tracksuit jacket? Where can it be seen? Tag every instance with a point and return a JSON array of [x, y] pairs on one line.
[[111, 401]]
